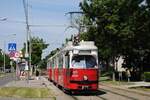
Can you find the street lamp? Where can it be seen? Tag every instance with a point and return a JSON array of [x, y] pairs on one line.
[[3, 19]]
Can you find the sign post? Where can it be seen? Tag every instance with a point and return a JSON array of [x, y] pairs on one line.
[[12, 47]]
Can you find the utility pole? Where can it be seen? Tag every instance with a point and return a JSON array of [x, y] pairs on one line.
[[25, 5]]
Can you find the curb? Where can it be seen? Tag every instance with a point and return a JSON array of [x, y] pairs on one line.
[[47, 84], [135, 91]]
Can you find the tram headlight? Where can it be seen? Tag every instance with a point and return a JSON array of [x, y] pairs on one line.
[[75, 51], [94, 52], [85, 78]]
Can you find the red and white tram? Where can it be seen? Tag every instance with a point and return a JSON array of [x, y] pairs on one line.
[[75, 68]]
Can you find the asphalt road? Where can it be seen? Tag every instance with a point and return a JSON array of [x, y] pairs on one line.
[[8, 78]]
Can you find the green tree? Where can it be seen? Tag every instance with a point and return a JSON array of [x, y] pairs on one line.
[[1, 58], [42, 64], [119, 27], [7, 59], [37, 45]]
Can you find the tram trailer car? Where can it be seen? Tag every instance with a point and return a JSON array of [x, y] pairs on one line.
[[75, 68]]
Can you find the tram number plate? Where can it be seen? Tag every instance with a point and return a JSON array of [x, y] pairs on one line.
[[85, 87]]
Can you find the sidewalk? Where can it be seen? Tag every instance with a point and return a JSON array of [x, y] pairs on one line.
[[34, 83], [138, 84], [127, 87]]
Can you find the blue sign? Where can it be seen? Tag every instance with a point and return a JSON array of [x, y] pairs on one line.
[[12, 46]]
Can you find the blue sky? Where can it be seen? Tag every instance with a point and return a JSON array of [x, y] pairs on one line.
[[41, 12]]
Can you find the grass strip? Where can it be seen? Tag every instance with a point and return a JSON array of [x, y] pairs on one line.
[[143, 88], [26, 92]]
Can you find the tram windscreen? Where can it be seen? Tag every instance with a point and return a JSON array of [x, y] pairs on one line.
[[83, 61]]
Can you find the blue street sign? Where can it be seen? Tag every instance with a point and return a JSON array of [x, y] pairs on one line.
[[12, 46]]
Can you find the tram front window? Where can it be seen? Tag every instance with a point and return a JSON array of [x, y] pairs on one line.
[[83, 61]]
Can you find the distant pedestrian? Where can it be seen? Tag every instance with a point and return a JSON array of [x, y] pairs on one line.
[[22, 75], [120, 76], [37, 74], [128, 75]]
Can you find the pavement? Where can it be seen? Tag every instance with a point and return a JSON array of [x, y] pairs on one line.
[[6, 78], [33, 82], [138, 84]]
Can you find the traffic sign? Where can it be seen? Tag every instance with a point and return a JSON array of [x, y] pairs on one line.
[[12, 54], [12, 46], [17, 54]]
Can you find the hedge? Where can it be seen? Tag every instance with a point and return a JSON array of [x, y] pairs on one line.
[[147, 76]]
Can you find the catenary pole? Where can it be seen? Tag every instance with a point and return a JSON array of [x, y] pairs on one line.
[[25, 5]]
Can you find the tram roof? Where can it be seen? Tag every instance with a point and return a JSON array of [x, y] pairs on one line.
[[83, 45]]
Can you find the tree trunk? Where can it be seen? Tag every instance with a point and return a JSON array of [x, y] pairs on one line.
[[114, 79]]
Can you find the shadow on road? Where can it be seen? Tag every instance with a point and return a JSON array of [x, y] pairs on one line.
[[81, 93], [85, 93]]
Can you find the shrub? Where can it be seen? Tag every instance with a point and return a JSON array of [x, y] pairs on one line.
[[147, 76]]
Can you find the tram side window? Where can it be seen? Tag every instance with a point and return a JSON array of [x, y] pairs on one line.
[[67, 60], [55, 63], [60, 61], [48, 65], [52, 63]]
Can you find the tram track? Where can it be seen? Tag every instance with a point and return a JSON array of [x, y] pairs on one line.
[[87, 97], [129, 91], [116, 93], [104, 93], [102, 98], [75, 98]]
